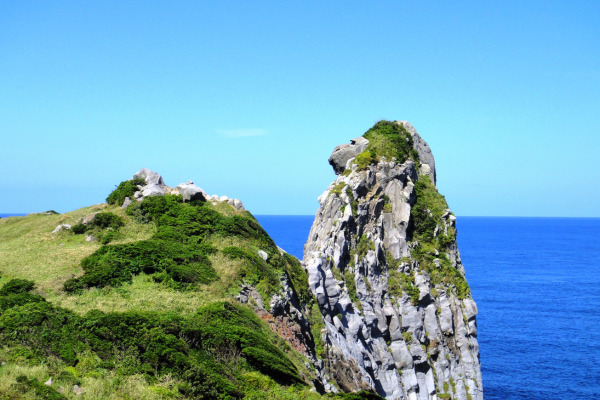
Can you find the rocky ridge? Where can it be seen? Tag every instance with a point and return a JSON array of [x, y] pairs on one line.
[[155, 186], [384, 266]]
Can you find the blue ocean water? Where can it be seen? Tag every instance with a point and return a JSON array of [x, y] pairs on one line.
[[536, 282], [11, 215]]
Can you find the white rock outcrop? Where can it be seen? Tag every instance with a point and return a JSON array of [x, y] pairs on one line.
[[379, 337]]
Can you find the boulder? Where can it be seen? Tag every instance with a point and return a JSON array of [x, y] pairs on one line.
[[151, 177], [263, 255], [190, 191], [61, 228], [89, 218], [126, 203], [345, 152], [153, 190], [237, 204]]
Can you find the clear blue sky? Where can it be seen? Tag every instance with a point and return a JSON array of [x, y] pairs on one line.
[[249, 98]]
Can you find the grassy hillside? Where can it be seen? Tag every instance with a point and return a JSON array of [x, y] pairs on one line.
[[147, 310]]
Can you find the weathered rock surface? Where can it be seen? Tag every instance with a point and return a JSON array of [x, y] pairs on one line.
[[345, 152], [379, 337], [190, 191], [61, 228]]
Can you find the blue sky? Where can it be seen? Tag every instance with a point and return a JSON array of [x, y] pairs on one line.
[[248, 99]]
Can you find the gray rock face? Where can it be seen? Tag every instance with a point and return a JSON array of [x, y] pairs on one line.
[[425, 154], [151, 177], [189, 191], [400, 346], [126, 203], [345, 152], [61, 228]]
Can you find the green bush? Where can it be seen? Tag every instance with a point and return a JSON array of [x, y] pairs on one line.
[[20, 299], [16, 286], [388, 139], [315, 318], [208, 350], [116, 264], [109, 236], [104, 220], [365, 159], [125, 189], [78, 229], [298, 278], [351, 286]]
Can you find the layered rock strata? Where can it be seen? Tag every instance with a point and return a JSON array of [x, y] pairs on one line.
[[399, 318]]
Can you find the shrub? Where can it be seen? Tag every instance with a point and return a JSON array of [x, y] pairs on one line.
[[315, 318], [255, 270], [427, 211], [337, 189], [351, 286], [298, 278], [20, 299], [78, 229], [16, 286], [109, 236], [177, 249], [125, 189], [208, 350], [115, 264], [365, 159], [105, 220], [390, 140]]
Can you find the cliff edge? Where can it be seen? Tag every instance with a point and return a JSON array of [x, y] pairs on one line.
[[384, 266]]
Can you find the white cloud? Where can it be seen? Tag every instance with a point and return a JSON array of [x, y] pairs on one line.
[[235, 133]]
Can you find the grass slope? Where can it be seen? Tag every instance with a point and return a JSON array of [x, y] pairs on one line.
[[150, 314]]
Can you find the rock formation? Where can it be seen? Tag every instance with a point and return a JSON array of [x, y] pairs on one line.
[[383, 264], [155, 186]]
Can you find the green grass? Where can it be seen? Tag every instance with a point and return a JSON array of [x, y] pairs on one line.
[[426, 214], [136, 326], [386, 139], [61, 334]]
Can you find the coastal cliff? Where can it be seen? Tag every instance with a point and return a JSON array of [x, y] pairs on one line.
[[168, 292], [384, 266]]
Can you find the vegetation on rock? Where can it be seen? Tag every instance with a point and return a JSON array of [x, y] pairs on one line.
[[125, 189], [387, 139]]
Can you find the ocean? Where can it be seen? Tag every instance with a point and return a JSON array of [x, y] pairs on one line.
[[536, 282]]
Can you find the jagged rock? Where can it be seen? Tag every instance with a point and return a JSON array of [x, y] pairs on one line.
[[151, 177], [126, 203], [263, 255], [190, 191], [341, 154], [237, 204], [61, 228], [425, 153], [89, 218], [382, 342]]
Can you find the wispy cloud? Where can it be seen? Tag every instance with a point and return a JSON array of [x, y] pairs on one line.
[[235, 133]]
